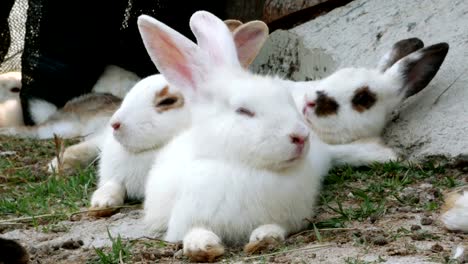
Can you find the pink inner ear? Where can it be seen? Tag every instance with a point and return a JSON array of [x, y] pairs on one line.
[[175, 59], [247, 44]]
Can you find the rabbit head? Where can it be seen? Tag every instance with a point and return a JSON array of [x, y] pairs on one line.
[[11, 113], [150, 115], [236, 116], [355, 103]]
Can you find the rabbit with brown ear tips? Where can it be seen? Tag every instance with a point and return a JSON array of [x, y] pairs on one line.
[[11, 113], [248, 169], [355, 103], [454, 211]]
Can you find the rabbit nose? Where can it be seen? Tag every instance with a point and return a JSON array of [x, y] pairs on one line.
[[116, 125], [310, 104], [298, 139]]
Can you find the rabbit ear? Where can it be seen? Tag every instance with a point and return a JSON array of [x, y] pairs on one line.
[[399, 50], [175, 56], [249, 39], [214, 37], [417, 69], [232, 24]]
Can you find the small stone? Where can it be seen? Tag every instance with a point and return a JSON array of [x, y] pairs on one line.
[[418, 236], [72, 244], [459, 253], [404, 209], [415, 227], [437, 248], [116, 217], [426, 221], [380, 241], [426, 186], [281, 259], [179, 254]]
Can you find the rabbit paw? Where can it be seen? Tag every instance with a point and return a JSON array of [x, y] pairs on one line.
[[265, 238], [105, 197], [201, 245]]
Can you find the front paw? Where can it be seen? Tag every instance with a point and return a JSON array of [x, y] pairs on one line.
[[265, 238], [201, 245], [105, 198]]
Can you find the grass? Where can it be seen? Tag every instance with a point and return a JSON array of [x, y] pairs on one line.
[[26, 189], [350, 195], [120, 252], [362, 194]]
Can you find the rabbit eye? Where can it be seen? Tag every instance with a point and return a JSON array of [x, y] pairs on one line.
[[245, 111], [168, 101], [15, 90]]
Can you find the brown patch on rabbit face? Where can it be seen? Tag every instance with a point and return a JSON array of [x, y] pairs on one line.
[[363, 99], [325, 105], [165, 100]]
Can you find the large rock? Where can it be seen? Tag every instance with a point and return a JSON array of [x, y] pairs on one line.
[[431, 123]]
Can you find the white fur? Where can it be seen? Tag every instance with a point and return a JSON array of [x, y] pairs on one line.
[[268, 231], [229, 172], [362, 152], [128, 152], [41, 110], [116, 81], [456, 218], [10, 106], [202, 240], [390, 85], [349, 125]]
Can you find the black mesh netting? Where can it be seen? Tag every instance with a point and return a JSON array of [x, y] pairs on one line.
[[62, 47]]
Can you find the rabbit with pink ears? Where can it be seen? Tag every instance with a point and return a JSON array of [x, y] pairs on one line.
[[248, 169], [152, 113]]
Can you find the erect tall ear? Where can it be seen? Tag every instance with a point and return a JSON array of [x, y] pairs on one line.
[[175, 56], [399, 50], [249, 39], [417, 69], [232, 24], [214, 37]]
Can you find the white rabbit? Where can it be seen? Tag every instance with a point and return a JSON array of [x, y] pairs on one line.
[[11, 113], [151, 114], [244, 168], [356, 103], [249, 39], [114, 80], [454, 212], [80, 116]]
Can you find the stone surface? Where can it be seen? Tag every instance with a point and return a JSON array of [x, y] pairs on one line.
[[431, 123], [87, 233]]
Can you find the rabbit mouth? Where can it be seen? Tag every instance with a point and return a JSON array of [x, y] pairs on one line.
[[299, 154]]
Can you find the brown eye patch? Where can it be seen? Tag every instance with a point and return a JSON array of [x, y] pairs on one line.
[[165, 100], [325, 105], [363, 99]]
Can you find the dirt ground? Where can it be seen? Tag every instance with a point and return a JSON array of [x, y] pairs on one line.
[[382, 214]]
